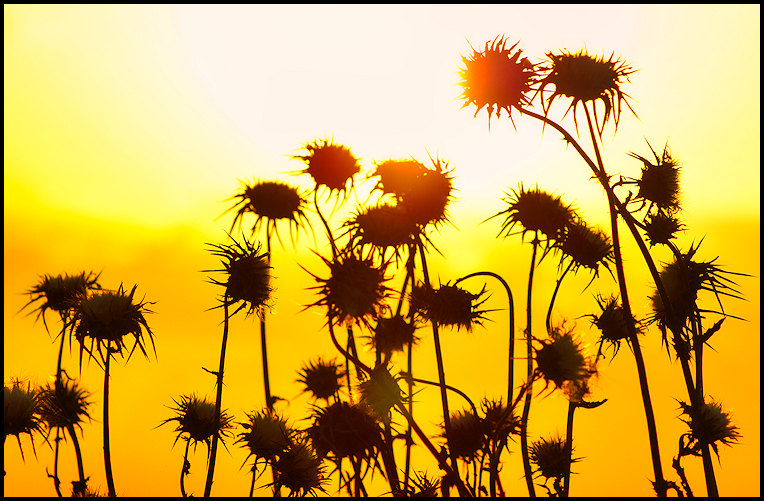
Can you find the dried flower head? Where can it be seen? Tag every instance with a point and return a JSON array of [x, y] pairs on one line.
[[64, 405], [536, 211], [21, 412], [383, 226], [613, 323], [661, 228], [331, 165], [424, 486], [196, 418], [270, 201], [299, 470], [355, 290], [497, 78], [659, 182], [561, 359], [585, 78], [249, 277], [61, 293], [466, 435], [396, 177], [380, 393], [427, 198], [105, 318], [448, 305], [499, 421], [392, 334], [709, 424], [551, 458], [345, 430], [322, 379], [266, 435], [584, 246]]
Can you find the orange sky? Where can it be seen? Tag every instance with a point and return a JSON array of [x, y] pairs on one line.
[[127, 126]]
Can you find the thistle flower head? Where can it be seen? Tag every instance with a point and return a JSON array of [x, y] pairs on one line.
[[661, 228], [448, 305], [536, 211], [396, 177], [561, 359], [587, 247], [427, 198], [709, 424], [380, 393], [550, 457], [345, 430], [465, 437], [196, 418], [355, 289], [587, 79], [384, 226], [105, 318], [424, 486], [299, 470], [270, 202], [266, 435], [497, 78], [330, 165], [61, 293], [322, 379], [499, 421], [392, 334], [63, 405], [613, 323], [21, 412], [248, 275], [659, 182]]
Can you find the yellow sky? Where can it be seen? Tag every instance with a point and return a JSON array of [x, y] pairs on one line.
[[127, 126]]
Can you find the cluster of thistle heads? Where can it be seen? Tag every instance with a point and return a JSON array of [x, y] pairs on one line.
[[411, 200]]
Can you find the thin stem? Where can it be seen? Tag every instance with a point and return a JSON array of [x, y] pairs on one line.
[[448, 387], [410, 369], [708, 466], [554, 296], [529, 382], [326, 225], [56, 481], [569, 448], [81, 485], [106, 443], [185, 470], [218, 401]]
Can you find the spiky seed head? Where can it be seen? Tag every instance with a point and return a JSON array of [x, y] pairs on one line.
[[63, 405], [659, 182], [196, 417], [498, 421], [536, 210], [248, 275], [587, 79], [345, 430], [497, 78], [383, 226], [321, 379], [550, 457], [426, 200], [393, 334], [61, 293], [380, 393], [561, 359], [448, 305], [709, 424], [21, 412], [586, 247], [397, 177], [424, 486], [330, 165], [106, 318], [613, 323], [466, 435], [661, 228], [299, 470], [266, 435]]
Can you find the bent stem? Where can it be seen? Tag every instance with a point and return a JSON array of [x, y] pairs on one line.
[[554, 296], [529, 382], [106, 443], [218, 401]]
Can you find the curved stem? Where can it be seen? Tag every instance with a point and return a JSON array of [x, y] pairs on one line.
[[448, 387], [326, 225], [529, 382], [218, 401], [56, 481], [106, 443], [185, 470], [82, 483], [554, 296], [511, 350]]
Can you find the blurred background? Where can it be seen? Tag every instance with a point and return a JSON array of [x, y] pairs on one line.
[[126, 128]]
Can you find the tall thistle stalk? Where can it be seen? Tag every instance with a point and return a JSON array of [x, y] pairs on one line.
[[218, 401], [529, 375]]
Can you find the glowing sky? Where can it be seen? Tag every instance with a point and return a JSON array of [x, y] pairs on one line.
[[126, 128]]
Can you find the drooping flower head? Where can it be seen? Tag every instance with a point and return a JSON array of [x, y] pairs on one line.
[[587, 79], [346, 431], [466, 435], [536, 211], [64, 405], [587, 247], [270, 202], [61, 293], [613, 323], [392, 334], [249, 277], [448, 305], [330, 165], [21, 412], [355, 289], [197, 421], [659, 182], [106, 318], [299, 470], [709, 424], [561, 359], [497, 78], [266, 435], [322, 379]]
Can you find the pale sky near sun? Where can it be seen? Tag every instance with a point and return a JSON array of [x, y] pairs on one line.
[[127, 126]]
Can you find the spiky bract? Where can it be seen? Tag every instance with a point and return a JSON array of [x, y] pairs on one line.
[[536, 211], [330, 165], [61, 293], [550, 457], [299, 470], [465, 437], [197, 420], [659, 182], [21, 412], [321, 379], [586, 247], [345, 430], [392, 334], [561, 359], [613, 323], [380, 393], [64, 405], [709, 424], [266, 435], [448, 305]]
